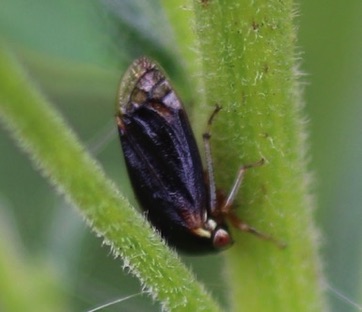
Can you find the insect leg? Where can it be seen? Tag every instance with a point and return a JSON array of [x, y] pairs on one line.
[[209, 164], [242, 226], [234, 219], [239, 179]]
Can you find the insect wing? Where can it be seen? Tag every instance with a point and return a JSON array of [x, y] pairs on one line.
[[161, 154]]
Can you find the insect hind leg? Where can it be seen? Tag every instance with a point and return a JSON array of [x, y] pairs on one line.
[[243, 226], [234, 219], [239, 179]]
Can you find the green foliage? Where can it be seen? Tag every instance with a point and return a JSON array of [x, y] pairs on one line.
[[248, 61], [55, 151], [239, 55]]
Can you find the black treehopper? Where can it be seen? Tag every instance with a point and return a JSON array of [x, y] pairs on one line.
[[165, 167]]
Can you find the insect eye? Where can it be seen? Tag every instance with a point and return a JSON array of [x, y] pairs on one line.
[[221, 239]]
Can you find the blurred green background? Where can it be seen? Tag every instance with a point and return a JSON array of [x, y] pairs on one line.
[[76, 52]]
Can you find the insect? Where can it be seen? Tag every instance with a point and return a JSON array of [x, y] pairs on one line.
[[165, 168]]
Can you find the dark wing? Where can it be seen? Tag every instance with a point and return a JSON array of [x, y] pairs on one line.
[[161, 154]]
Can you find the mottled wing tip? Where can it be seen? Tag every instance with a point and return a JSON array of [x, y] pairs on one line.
[[144, 63], [129, 80]]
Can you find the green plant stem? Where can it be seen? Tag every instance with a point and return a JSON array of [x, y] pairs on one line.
[[248, 60], [54, 149]]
